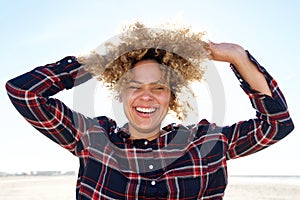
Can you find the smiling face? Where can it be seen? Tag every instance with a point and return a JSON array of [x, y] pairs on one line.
[[145, 100]]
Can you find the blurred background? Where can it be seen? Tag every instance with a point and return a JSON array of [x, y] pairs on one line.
[[36, 32]]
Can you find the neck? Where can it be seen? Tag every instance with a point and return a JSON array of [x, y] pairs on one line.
[[149, 135]]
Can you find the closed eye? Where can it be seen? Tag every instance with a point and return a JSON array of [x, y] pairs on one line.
[[160, 88], [133, 86]]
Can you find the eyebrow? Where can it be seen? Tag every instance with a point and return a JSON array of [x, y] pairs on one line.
[[141, 83]]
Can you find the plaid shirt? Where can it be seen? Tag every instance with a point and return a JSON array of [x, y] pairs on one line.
[[183, 163]]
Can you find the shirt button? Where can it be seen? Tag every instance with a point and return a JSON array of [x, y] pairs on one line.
[[146, 142], [150, 166], [153, 182], [69, 61]]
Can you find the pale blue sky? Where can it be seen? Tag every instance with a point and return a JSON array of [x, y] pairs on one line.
[[38, 32]]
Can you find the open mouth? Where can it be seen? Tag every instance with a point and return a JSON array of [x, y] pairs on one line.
[[144, 110]]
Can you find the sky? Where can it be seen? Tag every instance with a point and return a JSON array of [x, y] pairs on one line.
[[37, 32]]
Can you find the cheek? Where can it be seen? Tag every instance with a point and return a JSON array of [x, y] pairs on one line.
[[165, 100], [127, 98]]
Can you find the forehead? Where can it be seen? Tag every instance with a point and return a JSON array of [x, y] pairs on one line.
[[147, 71]]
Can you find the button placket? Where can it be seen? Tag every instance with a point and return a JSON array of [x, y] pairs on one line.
[[150, 166], [153, 183]]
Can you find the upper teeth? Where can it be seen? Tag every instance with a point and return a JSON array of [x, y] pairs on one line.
[[145, 110]]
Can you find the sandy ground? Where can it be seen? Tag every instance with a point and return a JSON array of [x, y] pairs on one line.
[[38, 188], [63, 188], [260, 189]]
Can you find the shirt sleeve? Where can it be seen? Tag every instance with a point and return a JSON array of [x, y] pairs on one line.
[[272, 122], [30, 94]]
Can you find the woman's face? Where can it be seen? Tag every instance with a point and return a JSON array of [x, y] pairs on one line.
[[145, 98]]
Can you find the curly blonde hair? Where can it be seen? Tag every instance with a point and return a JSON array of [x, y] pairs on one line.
[[180, 49]]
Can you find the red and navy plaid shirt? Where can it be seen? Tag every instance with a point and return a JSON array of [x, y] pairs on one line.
[[184, 163]]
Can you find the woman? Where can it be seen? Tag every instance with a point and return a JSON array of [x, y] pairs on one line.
[[142, 160]]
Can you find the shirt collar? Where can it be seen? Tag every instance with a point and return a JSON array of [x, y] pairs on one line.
[[174, 135]]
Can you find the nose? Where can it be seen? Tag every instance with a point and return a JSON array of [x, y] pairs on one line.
[[147, 94]]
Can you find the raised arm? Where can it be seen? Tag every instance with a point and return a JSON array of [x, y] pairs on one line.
[[30, 94], [273, 121], [237, 56]]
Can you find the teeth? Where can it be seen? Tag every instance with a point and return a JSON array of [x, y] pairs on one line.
[[145, 110]]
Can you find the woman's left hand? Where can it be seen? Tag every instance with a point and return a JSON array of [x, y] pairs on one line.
[[226, 52]]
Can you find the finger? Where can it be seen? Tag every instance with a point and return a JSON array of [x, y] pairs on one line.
[[211, 42]]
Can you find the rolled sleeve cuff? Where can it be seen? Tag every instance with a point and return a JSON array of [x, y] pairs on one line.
[[262, 102], [246, 87], [70, 72]]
